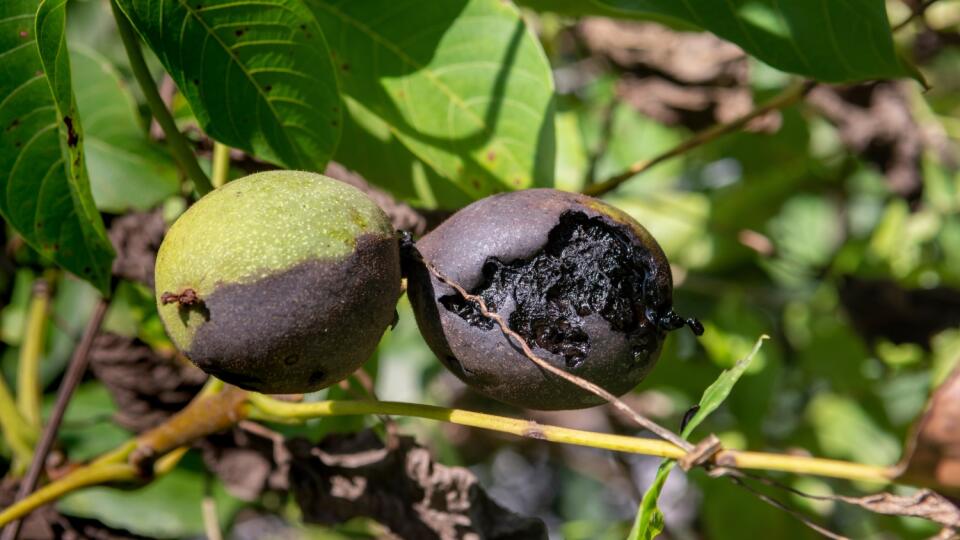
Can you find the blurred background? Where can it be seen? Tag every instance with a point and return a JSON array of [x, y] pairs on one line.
[[831, 225]]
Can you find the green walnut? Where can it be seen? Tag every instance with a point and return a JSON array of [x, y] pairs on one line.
[[279, 282]]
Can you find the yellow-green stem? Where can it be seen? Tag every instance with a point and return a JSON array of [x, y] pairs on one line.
[[87, 476], [110, 468], [31, 350], [268, 408], [221, 164], [175, 140]]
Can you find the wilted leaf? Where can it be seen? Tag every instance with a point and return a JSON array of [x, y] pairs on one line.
[[922, 504], [829, 41], [402, 488], [44, 189], [257, 74], [469, 92], [146, 387], [883, 309], [932, 456], [876, 121], [137, 237], [693, 79]]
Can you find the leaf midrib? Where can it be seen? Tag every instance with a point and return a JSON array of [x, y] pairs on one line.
[[453, 96], [249, 77]]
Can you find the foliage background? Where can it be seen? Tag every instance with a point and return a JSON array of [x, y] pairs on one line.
[[831, 225]]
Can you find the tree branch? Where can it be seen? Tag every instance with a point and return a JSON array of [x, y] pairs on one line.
[[789, 96]]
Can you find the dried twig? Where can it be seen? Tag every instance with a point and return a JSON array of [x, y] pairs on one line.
[[788, 97], [778, 504], [643, 421]]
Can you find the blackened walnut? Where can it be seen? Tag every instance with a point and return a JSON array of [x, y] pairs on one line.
[[584, 284]]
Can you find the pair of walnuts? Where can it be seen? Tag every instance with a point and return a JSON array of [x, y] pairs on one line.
[[284, 282]]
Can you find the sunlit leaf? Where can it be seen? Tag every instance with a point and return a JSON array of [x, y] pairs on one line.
[[464, 85]]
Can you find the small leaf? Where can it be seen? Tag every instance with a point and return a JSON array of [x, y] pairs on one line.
[[464, 85], [257, 74], [649, 520], [168, 507], [827, 40], [716, 393], [44, 190], [127, 171]]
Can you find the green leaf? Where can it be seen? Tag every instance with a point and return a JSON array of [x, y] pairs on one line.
[[828, 40], [464, 85], [396, 168], [168, 507], [649, 521], [44, 190], [88, 429], [127, 171], [716, 393], [257, 73]]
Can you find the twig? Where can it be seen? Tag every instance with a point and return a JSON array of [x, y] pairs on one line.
[[267, 408], [210, 412], [777, 504], [643, 421], [208, 508], [789, 96], [75, 370], [366, 382], [257, 406], [88, 476], [178, 144]]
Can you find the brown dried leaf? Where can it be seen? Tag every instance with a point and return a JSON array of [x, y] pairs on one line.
[[403, 488], [689, 78], [933, 452], [875, 121], [882, 308], [148, 388], [136, 237], [923, 504], [250, 460]]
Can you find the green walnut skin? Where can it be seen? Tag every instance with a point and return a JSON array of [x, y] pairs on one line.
[[279, 282]]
